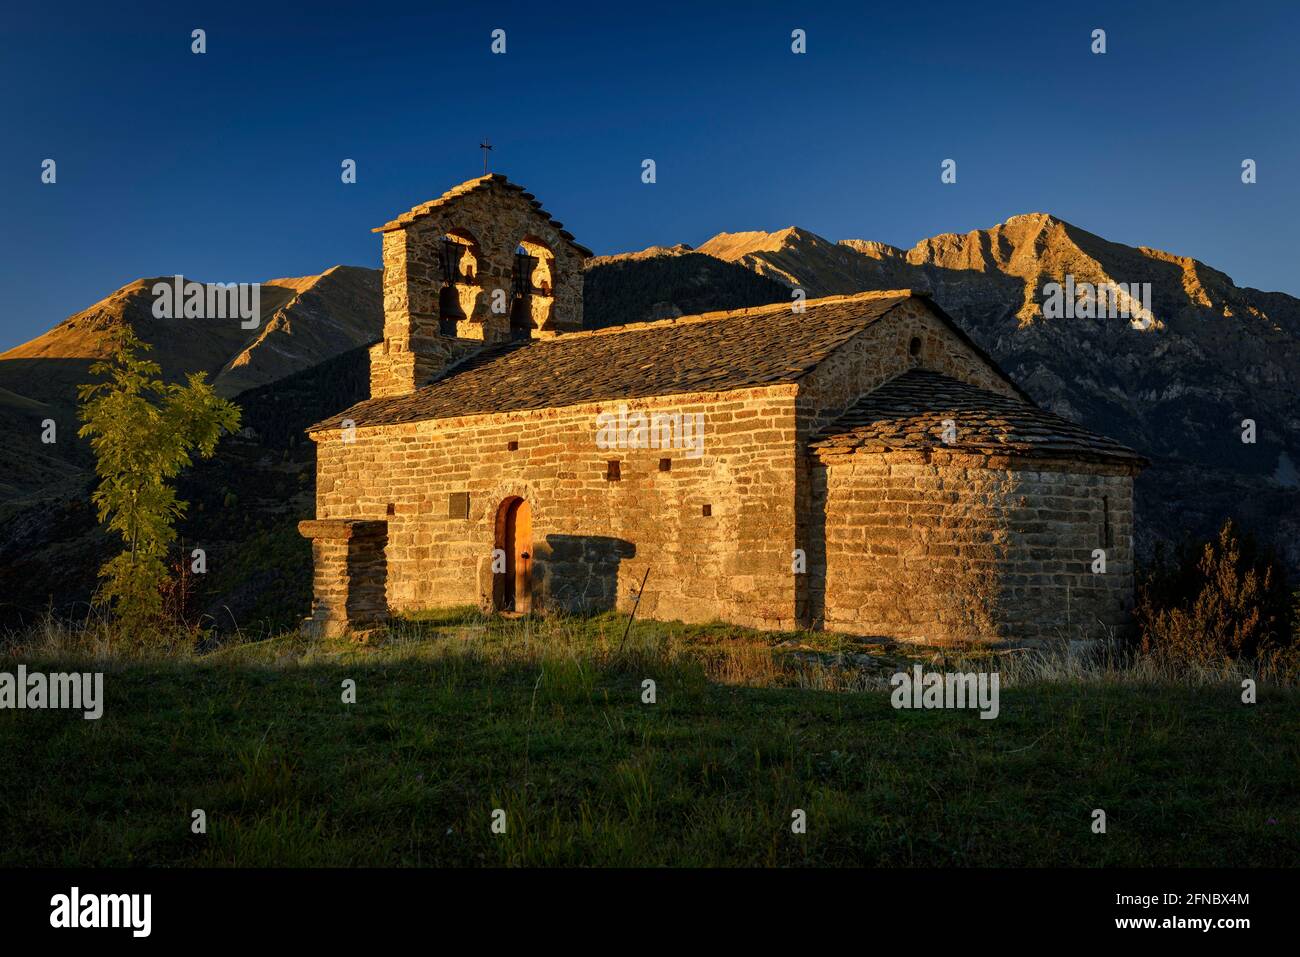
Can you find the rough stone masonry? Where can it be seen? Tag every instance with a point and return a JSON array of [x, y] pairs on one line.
[[865, 467]]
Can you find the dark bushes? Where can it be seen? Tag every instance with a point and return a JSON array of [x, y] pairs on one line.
[[1223, 600]]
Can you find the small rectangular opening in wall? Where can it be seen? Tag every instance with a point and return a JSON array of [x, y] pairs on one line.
[[612, 471], [512, 446], [707, 511], [458, 505], [1105, 521], [665, 465], [392, 509]]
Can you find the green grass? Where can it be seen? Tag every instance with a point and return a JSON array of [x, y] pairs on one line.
[[456, 717]]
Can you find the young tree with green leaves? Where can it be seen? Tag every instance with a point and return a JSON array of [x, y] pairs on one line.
[[143, 432]]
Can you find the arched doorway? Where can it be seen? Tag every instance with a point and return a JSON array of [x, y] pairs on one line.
[[513, 589]]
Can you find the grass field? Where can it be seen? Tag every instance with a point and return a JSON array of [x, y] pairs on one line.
[[455, 718]]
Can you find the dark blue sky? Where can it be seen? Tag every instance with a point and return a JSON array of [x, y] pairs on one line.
[[225, 167]]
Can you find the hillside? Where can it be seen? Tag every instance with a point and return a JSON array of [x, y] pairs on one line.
[[459, 715], [659, 283], [303, 321], [244, 507]]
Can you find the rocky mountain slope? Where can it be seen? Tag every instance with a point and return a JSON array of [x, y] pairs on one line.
[[302, 321], [1176, 387], [796, 257]]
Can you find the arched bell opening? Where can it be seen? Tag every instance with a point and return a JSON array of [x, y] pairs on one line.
[[459, 260], [533, 300]]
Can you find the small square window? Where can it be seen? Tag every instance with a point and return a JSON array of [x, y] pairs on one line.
[[708, 510], [665, 465], [458, 505], [512, 446], [392, 509], [612, 471]]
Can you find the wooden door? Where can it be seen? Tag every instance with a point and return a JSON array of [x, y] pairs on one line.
[[519, 557]]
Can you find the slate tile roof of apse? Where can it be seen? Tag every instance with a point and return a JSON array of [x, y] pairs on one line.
[[715, 352], [472, 186], [908, 411]]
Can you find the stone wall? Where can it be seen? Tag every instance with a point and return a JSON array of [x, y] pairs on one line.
[[594, 538], [893, 540], [884, 350], [492, 222], [909, 336], [907, 547], [350, 570]]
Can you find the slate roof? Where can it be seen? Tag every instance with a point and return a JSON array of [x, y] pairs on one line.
[[907, 412], [473, 186], [715, 352]]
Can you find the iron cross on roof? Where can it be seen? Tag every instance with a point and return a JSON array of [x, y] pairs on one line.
[[485, 146]]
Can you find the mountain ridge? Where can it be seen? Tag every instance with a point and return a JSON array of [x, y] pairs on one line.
[[335, 310]]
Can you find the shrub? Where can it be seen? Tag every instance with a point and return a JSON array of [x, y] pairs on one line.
[[1222, 600]]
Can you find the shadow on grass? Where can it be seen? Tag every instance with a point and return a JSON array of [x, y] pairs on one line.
[[447, 729]]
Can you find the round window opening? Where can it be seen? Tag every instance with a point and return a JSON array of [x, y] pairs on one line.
[[914, 347]]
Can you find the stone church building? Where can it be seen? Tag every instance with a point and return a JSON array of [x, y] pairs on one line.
[[853, 463]]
